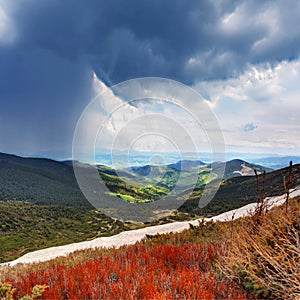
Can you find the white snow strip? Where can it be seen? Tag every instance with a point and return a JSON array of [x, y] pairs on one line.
[[133, 236]]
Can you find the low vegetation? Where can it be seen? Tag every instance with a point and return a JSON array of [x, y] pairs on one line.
[[7, 292], [137, 272], [253, 257], [264, 253], [239, 191], [25, 227]]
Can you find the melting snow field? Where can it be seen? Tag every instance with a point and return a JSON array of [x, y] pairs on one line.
[[133, 236]]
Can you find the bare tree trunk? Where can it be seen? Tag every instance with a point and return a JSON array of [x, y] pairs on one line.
[[259, 196], [287, 185]]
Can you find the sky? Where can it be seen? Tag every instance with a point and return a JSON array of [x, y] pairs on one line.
[[243, 57]]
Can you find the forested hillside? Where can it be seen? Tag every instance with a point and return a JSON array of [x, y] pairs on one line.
[[41, 204]]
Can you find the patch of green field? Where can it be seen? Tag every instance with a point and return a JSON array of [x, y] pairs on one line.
[[142, 187], [25, 227]]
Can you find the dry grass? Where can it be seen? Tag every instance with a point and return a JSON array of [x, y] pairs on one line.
[[264, 253], [260, 253]]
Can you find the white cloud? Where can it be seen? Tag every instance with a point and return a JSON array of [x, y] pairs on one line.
[[258, 112], [265, 97], [7, 31], [169, 122]]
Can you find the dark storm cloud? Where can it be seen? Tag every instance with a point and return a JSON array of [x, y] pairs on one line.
[[127, 39], [41, 99], [46, 72]]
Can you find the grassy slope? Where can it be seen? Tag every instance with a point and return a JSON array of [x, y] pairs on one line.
[[48, 182], [25, 227], [238, 191], [142, 187], [244, 253], [64, 216], [39, 181]]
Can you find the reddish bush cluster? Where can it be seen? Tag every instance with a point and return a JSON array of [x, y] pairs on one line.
[[135, 272]]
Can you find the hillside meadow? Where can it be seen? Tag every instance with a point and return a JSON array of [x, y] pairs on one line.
[[255, 257]]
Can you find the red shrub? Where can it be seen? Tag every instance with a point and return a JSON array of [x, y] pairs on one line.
[[135, 272]]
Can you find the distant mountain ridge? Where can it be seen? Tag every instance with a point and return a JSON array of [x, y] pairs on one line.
[[46, 181], [238, 167], [233, 168], [186, 164], [48, 192], [277, 162], [240, 190]]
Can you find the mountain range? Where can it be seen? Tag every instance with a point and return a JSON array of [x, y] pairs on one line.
[[42, 205], [49, 182]]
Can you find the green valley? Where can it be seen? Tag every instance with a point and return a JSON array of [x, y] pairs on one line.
[[41, 204]]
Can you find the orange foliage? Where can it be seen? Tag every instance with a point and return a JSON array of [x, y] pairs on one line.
[[135, 272]]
